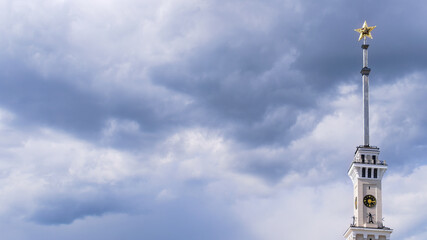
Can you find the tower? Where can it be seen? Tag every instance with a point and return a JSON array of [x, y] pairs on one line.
[[366, 171]]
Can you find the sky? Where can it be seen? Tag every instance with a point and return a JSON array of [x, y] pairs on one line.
[[206, 120]]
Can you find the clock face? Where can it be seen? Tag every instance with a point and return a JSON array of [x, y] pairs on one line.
[[369, 201]]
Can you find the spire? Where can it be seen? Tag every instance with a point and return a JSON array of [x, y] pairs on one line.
[[365, 31]]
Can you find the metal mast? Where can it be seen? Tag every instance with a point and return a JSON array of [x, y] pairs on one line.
[[365, 31], [365, 78]]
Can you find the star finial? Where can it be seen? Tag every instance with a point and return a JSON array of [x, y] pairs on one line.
[[365, 31]]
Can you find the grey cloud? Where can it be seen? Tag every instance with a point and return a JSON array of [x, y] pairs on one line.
[[65, 209], [250, 82], [236, 79], [248, 71], [190, 218]]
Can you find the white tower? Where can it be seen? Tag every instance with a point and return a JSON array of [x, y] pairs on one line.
[[366, 171]]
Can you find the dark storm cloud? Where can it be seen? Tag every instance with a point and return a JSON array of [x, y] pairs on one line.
[[330, 53], [66, 209], [238, 86], [266, 63], [48, 102], [189, 218], [237, 80], [192, 215], [243, 78], [61, 105], [230, 93], [249, 71]]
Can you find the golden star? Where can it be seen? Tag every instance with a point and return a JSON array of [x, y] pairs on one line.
[[365, 31]]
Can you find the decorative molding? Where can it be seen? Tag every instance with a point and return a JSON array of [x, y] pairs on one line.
[[352, 233]]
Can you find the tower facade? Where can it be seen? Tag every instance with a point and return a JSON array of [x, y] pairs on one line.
[[366, 171]]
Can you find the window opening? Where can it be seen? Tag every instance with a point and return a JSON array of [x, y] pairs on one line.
[[369, 173], [363, 172], [363, 158], [374, 158], [375, 173]]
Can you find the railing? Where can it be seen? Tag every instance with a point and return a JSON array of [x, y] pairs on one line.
[[379, 163]]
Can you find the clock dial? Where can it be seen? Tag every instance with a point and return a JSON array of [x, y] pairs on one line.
[[369, 201]]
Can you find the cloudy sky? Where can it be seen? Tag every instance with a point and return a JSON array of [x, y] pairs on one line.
[[206, 120]]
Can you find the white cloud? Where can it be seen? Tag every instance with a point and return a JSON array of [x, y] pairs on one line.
[[43, 162], [395, 118], [406, 203], [115, 126], [298, 212]]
